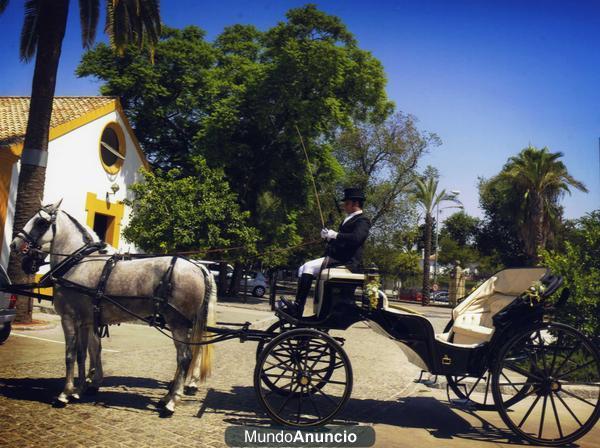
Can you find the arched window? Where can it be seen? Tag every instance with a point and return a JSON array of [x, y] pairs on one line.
[[112, 148]]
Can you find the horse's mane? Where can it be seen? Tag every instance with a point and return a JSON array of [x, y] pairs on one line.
[[91, 231]]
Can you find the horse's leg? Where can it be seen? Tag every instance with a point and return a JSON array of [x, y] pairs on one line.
[[70, 333], [95, 374], [82, 347], [184, 358]]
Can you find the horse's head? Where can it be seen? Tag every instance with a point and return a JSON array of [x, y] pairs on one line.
[[33, 241]]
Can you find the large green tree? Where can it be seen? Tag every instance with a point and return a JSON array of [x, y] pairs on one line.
[[380, 158], [238, 100], [42, 34], [457, 239], [527, 192]]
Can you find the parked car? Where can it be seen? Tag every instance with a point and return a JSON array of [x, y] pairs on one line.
[[410, 294], [8, 312], [440, 296], [214, 268], [257, 283]]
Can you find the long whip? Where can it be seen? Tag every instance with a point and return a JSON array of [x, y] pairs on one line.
[[312, 177]]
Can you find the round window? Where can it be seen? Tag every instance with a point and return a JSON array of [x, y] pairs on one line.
[[112, 148]]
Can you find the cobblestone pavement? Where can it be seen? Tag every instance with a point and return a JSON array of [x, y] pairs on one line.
[[139, 363]]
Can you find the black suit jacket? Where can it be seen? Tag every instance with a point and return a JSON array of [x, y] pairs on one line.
[[347, 248]]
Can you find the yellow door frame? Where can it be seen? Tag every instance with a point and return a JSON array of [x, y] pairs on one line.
[[7, 160], [116, 210]]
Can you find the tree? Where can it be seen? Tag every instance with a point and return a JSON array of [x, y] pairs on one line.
[[380, 158], [171, 213], [238, 105], [428, 197], [533, 183], [578, 262], [41, 36], [457, 239]]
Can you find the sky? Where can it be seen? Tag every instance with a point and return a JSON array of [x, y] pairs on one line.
[[489, 77]]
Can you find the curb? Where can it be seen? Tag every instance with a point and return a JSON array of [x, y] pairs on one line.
[[33, 327]]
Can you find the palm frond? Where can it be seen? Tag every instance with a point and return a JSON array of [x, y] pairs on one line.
[[89, 11], [132, 21], [30, 30]]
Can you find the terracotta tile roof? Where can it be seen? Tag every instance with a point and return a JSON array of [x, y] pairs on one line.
[[14, 111]]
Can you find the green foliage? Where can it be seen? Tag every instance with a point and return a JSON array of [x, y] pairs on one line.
[[578, 262], [522, 205], [171, 213], [457, 239], [380, 158], [237, 102]]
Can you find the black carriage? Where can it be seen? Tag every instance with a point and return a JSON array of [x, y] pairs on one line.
[[501, 350]]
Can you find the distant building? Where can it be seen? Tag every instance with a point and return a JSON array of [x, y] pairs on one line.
[[93, 158]]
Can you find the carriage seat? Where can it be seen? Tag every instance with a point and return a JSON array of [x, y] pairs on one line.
[[341, 273], [473, 318]]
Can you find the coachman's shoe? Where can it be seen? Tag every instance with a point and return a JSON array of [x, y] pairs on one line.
[[289, 307]]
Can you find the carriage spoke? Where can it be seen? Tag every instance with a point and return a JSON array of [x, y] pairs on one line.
[[474, 386], [577, 397], [529, 411], [554, 353], [509, 381], [315, 407], [568, 409], [286, 401], [515, 368], [543, 350], [556, 415], [543, 416], [576, 369], [571, 353], [300, 404], [326, 396]]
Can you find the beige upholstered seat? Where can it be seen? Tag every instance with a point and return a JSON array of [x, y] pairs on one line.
[[341, 273], [473, 318]]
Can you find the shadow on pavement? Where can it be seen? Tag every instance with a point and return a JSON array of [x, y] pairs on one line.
[[116, 391], [241, 407]]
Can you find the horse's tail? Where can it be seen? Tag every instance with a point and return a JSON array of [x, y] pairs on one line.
[[202, 355]]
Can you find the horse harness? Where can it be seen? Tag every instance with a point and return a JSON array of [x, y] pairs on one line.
[[56, 275]]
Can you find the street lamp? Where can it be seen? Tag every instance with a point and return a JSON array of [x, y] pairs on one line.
[[437, 233]]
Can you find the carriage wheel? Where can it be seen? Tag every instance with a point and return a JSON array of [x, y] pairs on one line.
[[312, 369], [276, 328], [562, 369], [477, 391]]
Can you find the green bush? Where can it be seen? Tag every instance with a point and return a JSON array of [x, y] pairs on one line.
[[578, 262]]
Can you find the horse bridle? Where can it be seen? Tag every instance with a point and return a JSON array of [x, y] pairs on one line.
[[39, 229]]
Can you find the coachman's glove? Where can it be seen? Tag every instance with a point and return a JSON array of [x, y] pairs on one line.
[[328, 234]]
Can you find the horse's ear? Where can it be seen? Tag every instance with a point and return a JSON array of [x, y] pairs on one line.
[[56, 206]]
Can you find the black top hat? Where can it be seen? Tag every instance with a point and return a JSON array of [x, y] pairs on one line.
[[353, 194]]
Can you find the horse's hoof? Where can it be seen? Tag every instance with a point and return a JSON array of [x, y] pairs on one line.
[[60, 402], [190, 390], [75, 397], [91, 390]]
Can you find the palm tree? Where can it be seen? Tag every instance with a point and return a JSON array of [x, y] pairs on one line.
[[42, 34], [428, 198], [540, 179]]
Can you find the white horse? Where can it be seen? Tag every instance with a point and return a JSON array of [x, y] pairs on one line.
[[189, 304]]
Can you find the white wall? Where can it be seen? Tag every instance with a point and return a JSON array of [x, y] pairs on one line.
[[74, 169]]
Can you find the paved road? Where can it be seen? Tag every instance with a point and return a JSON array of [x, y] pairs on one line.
[[139, 362]]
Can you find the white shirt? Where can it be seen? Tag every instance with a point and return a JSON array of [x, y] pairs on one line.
[[351, 215]]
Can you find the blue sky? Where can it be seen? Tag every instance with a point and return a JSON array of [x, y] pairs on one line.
[[488, 77]]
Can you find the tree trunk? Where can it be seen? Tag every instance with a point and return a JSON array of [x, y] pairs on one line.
[[236, 278], [30, 192], [426, 255], [538, 219]]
